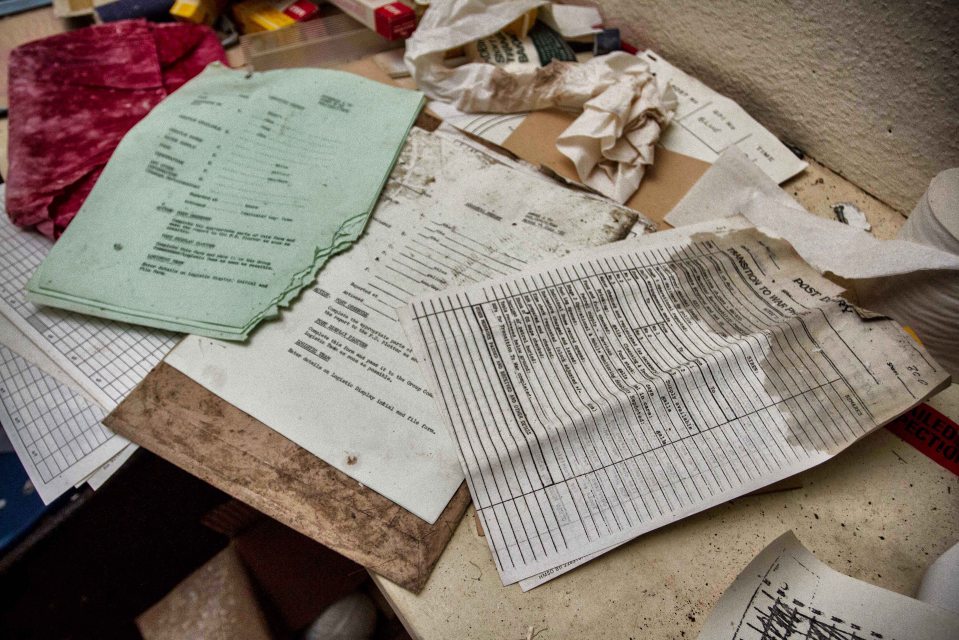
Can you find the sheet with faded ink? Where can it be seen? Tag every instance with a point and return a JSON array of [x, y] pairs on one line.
[[786, 592], [225, 201], [604, 395], [337, 376], [493, 127]]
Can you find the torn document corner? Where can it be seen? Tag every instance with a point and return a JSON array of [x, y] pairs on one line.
[[337, 376], [621, 389], [611, 142], [225, 201], [786, 592]]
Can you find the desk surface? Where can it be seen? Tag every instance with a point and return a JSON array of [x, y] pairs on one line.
[[880, 511]]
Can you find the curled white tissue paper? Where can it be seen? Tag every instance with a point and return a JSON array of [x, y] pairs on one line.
[[914, 283], [610, 143]]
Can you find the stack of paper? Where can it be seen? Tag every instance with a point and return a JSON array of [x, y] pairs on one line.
[[599, 397], [56, 433], [337, 375], [62, 372], [224, 202]]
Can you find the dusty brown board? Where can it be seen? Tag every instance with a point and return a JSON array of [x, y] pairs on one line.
[[177, 419], [664, 184]]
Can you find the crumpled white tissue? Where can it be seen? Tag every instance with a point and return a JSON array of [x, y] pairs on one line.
[[610, 144], [915, 284]]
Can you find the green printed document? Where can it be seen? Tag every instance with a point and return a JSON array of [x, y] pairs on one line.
[[225, 201]]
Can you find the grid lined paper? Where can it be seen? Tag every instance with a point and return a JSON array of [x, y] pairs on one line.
[[106, 358], [56, 433]]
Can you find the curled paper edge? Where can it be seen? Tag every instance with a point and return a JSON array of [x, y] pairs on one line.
[[624, 112]]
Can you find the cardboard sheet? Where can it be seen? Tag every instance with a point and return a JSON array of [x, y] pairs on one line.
[[666, 181], [182, 422]]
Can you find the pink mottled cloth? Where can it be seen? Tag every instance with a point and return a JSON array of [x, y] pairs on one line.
[[73, 96]]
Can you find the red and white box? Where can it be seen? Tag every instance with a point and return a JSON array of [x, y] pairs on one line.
[[392, 20]]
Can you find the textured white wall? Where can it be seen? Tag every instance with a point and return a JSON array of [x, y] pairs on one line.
[[870, 89]]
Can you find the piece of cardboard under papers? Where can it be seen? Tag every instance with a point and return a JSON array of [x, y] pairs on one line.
[[257, 466], [182, 422], [666, 181]]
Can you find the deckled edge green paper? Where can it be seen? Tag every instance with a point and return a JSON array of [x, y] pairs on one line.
[[348, 233]]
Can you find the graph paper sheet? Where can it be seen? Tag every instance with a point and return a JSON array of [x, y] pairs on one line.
[[105, 358], [599, 397], [786, 592], [56, 433]]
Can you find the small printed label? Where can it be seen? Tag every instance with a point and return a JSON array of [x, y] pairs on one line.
[[930, 432]]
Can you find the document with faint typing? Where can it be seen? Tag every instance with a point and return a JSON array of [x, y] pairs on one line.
[[226, 200], [601, 396], [337, 375]]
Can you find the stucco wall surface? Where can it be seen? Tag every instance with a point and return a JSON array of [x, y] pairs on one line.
[[870, 89]]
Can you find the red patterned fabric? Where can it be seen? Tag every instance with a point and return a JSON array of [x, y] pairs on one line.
[[73, 96]]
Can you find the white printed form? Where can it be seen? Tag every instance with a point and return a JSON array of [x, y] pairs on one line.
[[707, 122], [337, 375], [601, 396]]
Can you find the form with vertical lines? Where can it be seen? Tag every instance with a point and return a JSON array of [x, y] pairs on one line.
[[594, 399], [56, 433]]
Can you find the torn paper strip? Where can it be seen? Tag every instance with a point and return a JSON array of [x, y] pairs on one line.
[[625, 111]]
